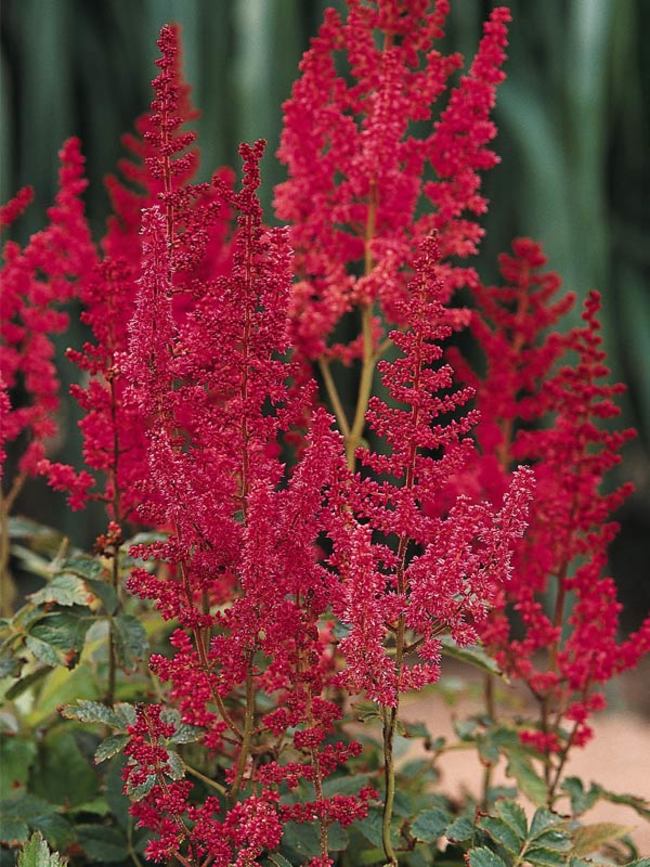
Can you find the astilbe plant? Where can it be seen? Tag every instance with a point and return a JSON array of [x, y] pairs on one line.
[[569, 651], [301, 562]]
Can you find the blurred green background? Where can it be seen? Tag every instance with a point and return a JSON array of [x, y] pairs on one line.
[[574, 118]]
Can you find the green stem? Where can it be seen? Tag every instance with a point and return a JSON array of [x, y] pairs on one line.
[[390, 722], [247, 734], [200, 776]]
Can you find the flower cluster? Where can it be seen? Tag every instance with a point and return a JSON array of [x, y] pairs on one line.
[[36, 281], [297, 565], [405, 566], [542, 400], [356, 149]]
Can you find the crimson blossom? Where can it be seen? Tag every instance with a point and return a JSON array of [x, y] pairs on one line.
[[543, 399]]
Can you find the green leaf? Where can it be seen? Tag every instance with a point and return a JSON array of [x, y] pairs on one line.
[[137, 793], [131, 642], [19, 815], [82, 567], [10, 665], [542, 821], [176, 768], [91, 712], [103, 844], [529, 782], [186, 734], [301, 839], [513, 815], [540, 857], [63, 630], [484, 857], [63, 775], [104, 592], [117, 800], [110, 747], [64, 590], [44, 652], [345, 785], [460, 830], [639, 805], [16, 758], [502, 834], [36, 853], [277, 860], [24, 683], [98, 807], [338, 838], [581, 800], [125, 714], [474, 656], [590, 838], [430, 825]]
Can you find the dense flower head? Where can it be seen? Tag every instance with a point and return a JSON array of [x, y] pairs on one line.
[[405, 566], [36, 281], [355, 189], [295, 566], [543, 399]]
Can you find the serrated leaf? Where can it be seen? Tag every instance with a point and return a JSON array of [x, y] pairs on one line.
[[528, 780], [371, 828], [484, 857], [186, 734], [581, 800], [82, 567], [301, 839], [137, 793], [540, 857], [556, 840], [44, 652], [91, 712], [513, 815], [110, 747], [176, 768], [64, 630], [63, 590], [639, 805], [102, 844], [430, 825], [542, 821], [590, 838], [131, 642], [125, 714], [460, 830], [36, 853], [502, 834]]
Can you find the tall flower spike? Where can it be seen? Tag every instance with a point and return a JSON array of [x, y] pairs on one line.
[[113, 433], [528, 381], [36, 280], [421, 571], [355, 165]]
